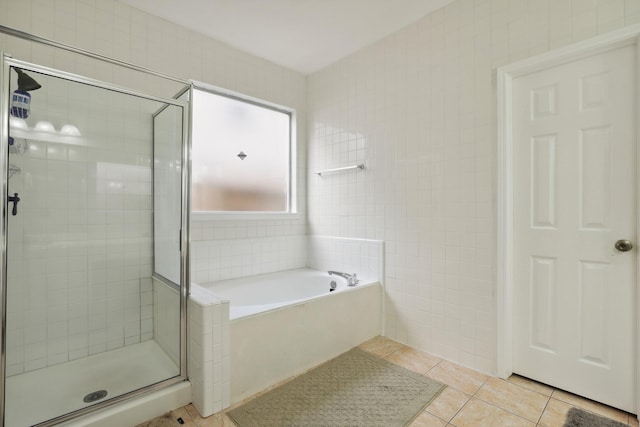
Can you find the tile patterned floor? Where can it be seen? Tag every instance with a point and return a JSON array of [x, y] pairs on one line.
[[472, 398]]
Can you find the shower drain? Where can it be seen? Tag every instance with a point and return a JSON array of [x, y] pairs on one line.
[[93, 396]]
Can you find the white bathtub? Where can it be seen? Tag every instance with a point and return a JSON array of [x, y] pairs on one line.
[[257, 294], [287, 322]]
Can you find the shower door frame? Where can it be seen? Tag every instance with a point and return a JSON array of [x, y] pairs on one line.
[[7, 63]]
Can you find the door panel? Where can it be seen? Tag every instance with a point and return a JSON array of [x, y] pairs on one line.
[[575, 196], [542, 304]]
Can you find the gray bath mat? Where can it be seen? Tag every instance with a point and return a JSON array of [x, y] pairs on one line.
[[165, 420], [579, 418], [356, 388]]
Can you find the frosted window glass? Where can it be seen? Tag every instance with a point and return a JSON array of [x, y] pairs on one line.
[[224, 129]]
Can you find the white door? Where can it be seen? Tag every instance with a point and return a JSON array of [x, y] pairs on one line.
[[575, 192]]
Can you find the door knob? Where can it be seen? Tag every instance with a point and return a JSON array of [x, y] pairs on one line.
[[624, 245]]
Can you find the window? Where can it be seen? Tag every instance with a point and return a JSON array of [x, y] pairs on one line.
[[241, 155]]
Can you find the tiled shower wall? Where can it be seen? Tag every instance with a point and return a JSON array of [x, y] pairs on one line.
[[419, 108], [79, 247], [111, 28]]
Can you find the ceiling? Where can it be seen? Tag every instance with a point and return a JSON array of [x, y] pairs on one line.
[[303, 35]]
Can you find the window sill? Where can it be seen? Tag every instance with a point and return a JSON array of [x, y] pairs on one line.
[[242, 216]]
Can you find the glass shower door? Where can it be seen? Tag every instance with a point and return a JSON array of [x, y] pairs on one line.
[[86, 319]]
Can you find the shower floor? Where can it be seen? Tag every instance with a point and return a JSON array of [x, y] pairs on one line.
[[37, 396]]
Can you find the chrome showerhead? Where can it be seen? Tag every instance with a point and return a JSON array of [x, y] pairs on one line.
[[26, 83]]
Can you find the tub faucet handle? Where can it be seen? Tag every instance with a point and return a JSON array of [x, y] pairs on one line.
[[352, 279]]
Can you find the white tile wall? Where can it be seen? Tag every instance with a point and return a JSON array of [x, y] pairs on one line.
[[361, 256], [418, 107], [230, 258]]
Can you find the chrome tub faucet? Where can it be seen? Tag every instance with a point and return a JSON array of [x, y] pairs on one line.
[[352, 279]]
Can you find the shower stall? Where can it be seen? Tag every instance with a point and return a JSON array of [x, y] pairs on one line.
[[93, 241]]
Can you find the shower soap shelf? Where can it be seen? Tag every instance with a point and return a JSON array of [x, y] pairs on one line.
[[47, 137]]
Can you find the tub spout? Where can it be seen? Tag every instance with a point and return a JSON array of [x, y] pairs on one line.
[[352, 279]]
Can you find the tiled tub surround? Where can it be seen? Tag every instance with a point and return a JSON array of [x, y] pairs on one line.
[[336, 322], [208, 351], [361, 256], [213, 260]]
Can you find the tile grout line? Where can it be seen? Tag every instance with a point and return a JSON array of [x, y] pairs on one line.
[[467, 402], [507, 410], [503, 409], [544, 409], [524, 388], [446, 386], [448, 422]]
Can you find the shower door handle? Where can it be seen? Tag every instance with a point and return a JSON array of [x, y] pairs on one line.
[[14, 199]]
